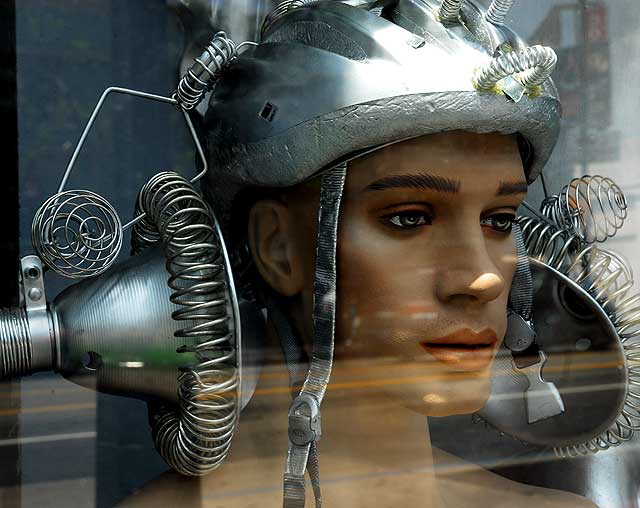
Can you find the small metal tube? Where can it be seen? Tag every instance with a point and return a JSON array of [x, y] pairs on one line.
[[533, 64], [449, 11], [498, 10]]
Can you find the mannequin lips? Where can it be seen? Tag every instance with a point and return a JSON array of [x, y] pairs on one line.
[[463, 349]]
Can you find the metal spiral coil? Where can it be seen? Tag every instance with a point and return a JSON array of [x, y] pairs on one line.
[[548, 243], [144, 233], [77, 233], [449, 11], [197, 438], [531, 66], [280, 10], [498, 10], [15, 343], [608, 279], [593, 207], [205, 71]]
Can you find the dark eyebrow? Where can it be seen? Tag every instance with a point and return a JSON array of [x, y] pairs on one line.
[[510, 188], [417, 181]]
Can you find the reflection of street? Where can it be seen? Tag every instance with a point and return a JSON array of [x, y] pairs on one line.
[[59, 457], [57, 443]]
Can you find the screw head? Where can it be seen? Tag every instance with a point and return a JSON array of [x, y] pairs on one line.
[[35, 294]]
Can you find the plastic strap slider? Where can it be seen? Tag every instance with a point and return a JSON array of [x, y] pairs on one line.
[[304, 420]]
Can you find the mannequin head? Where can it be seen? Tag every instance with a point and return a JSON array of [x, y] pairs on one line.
[[425, 261]]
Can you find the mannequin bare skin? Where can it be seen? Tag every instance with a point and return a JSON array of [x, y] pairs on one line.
[[426, 257]]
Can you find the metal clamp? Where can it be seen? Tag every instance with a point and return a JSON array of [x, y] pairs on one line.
[[304, 428], [35, 302]]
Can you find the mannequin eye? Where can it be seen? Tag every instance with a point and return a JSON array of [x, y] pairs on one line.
[[409, 219], [501, 222]]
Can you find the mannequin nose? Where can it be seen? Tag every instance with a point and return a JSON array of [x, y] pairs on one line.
[[471, 274]]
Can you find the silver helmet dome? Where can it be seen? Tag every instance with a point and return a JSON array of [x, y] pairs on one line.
[[331, 80]]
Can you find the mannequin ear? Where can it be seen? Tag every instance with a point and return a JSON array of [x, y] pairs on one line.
[[272, 243]]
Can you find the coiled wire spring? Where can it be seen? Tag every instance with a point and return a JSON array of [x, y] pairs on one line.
[[196, 439], [77, 233], [498, 10], [592, 207], [549, 243], [449, 11], [531, 66], [204, 72]]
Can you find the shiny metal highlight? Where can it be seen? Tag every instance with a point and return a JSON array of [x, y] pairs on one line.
[[77, 233], [593, 207], [531, 66], [280, 10], [498, 10], [449, 11], [195, 440], [203, 74]]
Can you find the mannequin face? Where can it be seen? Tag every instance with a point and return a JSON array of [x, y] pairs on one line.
[[426, 258]]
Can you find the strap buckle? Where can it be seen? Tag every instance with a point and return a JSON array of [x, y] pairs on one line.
[[304, 428]]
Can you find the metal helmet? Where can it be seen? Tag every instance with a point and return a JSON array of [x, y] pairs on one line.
[[331, 80]]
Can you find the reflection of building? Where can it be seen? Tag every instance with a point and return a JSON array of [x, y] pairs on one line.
[[581, 37], [597, 72]]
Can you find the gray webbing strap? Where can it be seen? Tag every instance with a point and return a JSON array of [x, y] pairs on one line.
[[297, 366], [542, 398], [295, 356], [521, 295], [304, 414]]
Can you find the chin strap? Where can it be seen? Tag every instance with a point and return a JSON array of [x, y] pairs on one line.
[[304, 413], [542, 398], [521, 295], [297, 363]]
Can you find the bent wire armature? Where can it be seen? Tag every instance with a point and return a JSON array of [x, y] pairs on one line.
[[78, 233]]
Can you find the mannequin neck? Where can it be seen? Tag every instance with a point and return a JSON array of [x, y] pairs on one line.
[[367, 440]]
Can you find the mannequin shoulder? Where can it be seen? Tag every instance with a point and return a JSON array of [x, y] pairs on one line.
[[168, 489], [238, 483], [469, 483]]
